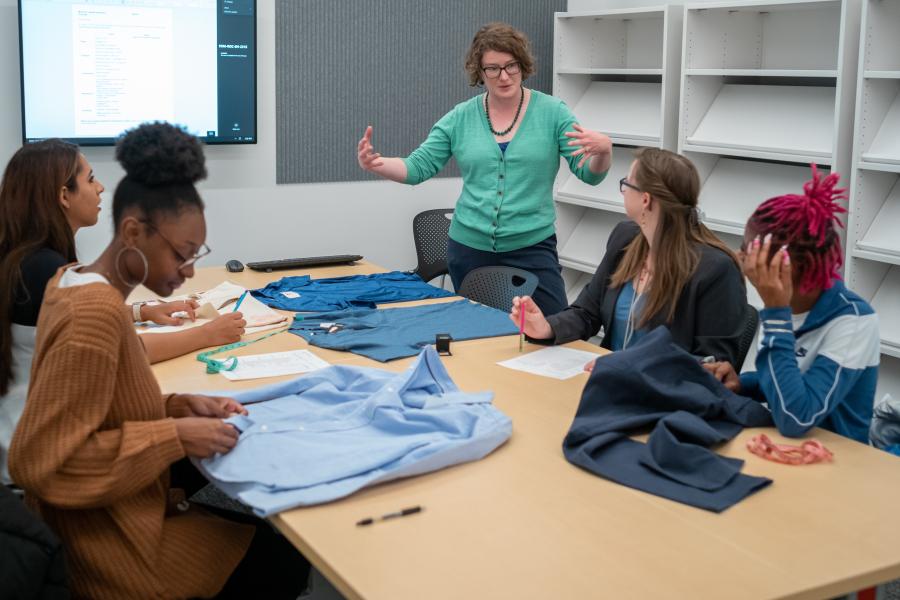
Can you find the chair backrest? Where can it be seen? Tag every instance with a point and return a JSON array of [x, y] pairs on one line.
[[497, 286], [751, 322], [430, 234]]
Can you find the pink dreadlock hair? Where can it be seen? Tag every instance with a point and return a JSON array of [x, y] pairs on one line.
[[808, 224]]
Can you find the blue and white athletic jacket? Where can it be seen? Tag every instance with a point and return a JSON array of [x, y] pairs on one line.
[[818, 369]]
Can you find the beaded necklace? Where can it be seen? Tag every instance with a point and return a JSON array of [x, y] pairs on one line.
[[487, 112]]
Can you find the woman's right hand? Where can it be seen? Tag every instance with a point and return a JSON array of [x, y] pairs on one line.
[[724, 372], [224, 329], [366, 155], [202, 437], [536, 325]]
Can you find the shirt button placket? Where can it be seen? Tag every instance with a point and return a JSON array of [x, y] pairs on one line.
[[500, 185]]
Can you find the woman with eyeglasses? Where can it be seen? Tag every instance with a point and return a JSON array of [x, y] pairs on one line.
[[49, 192], [662, 267], [507, 143], [96, 440]]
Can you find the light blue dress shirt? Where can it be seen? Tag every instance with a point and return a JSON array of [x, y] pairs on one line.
[[325, 435]]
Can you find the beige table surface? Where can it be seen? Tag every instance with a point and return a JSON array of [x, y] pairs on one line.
[[524, 523]]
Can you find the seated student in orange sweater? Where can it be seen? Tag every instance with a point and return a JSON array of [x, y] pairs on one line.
[[95, 442], [49, 192]]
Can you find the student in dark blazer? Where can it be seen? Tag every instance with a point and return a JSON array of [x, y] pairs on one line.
[[663, 267]]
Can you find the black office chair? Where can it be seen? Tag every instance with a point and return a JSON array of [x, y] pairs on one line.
[[751, 322], [497, 286], [430, 234]]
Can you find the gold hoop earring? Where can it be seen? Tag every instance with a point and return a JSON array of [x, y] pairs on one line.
[[143, 260]]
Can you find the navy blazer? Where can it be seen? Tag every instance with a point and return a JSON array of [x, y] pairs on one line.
[[709, 316]]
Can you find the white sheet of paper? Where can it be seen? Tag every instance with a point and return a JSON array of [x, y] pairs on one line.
[[556, 362], [257, 366]]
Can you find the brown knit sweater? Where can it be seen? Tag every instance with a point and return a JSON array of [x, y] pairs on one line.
[[93, 450]]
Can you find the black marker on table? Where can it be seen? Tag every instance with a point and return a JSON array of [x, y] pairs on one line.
[[394, 515]]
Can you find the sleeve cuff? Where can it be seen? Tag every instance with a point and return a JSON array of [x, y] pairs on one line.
[[778, 313], [410, 179], [591, 178], [167, 442]]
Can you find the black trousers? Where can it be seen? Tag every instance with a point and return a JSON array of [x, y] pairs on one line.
[[540, 259]]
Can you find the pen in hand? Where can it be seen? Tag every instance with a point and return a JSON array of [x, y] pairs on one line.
[[238, 303], [401, 513]]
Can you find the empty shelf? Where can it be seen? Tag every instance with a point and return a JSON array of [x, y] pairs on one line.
[[607, 71], [882, 234], [885, 304], [776, 119], [885, 147], [622, 110], [575, 283], [735, 188], [585, 247], [606, 194], [764, 72], [882, 75]]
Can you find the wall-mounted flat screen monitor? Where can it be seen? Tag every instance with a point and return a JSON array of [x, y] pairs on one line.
[[92, 69]]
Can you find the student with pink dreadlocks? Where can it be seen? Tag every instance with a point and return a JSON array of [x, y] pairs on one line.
[[817, 364]]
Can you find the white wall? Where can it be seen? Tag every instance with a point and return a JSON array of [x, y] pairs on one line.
[[249, 217]]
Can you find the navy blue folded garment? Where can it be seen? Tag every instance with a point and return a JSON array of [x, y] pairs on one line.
[[302, 293], [657, 384], [386, 334]]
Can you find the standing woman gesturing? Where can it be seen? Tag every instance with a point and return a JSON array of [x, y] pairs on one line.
[[507, 142]]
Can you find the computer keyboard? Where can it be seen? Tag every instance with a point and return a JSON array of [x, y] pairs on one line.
[[303, 262]]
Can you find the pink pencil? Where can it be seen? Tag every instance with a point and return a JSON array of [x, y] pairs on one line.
[[521, 325]]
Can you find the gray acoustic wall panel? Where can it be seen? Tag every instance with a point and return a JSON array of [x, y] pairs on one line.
[[394, 64]]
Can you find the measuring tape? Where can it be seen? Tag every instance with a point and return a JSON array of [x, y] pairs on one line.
[[214, 366]]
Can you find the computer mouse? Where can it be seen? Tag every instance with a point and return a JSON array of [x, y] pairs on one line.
[[234, 266]]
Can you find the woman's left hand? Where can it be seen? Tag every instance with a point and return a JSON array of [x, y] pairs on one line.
[[592, 144], [162, 313]]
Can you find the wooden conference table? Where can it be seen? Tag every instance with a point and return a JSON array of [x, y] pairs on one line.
[[524, 523]]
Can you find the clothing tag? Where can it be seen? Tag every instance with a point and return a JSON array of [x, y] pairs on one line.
[[326, 325], [290, 295]]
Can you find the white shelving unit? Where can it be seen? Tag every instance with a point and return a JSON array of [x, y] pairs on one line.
[[618, 71], [880, 102], [732, 188], [766, 89], [873, 243]]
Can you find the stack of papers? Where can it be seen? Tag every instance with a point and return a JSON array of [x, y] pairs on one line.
[[219, 301]]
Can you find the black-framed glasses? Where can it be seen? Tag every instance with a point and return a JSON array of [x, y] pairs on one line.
[[493, 71], [186, 261], [624, 183]]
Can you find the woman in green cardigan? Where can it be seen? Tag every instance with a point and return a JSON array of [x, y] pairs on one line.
[[507, 143]]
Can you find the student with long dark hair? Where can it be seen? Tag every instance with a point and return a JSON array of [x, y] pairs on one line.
[[663, 267], [96, 440]]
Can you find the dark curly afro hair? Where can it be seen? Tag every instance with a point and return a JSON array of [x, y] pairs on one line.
[[155, 154], [162, 163]]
